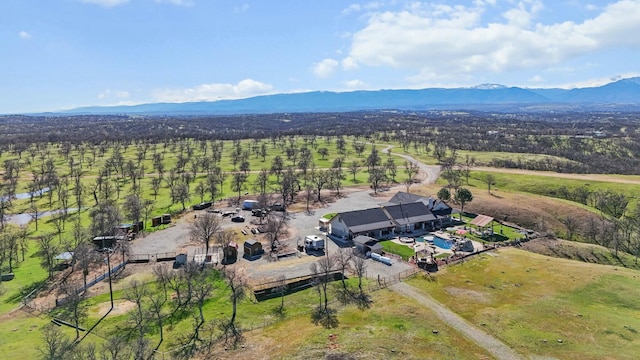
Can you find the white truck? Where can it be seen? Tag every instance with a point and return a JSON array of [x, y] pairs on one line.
[[313, 242]]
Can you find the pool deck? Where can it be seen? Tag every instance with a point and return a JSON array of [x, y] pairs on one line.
[[431, 248]]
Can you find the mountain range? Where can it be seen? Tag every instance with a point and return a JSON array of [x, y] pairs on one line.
[[621, 95]]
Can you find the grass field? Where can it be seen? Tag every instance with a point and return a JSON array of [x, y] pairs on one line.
[[393, 326], [524, 299]]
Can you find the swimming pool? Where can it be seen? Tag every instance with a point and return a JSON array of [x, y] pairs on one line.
[[442, 243], [437, 241]]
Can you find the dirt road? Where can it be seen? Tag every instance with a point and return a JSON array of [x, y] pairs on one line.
[[621, 179], [431, 172], [486, 341]]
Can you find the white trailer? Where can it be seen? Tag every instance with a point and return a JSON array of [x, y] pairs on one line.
[[313, 242], [250, 204]]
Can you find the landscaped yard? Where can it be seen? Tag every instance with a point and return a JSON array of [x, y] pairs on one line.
[[399, 249]]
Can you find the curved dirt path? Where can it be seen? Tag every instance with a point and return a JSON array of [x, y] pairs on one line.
[[431, 171], [484, 340], [632, 179]]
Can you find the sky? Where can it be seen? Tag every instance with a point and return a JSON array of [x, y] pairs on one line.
[[62, 54]]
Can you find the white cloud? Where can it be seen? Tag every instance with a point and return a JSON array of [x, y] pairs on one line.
[[106, 3], [536, 79], [211, 92], [351, 9], [349, 63], [325, 68], [113, 94], [356, 7], [24, 35], [355, 84], [176, 2], [449, 41], [598, 81], [592, 7]]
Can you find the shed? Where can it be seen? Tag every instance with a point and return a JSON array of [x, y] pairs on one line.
[[230, 253], [365, 244], [252, 248], [107, 241]]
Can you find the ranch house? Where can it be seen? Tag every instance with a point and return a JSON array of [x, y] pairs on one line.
[[404, 213]]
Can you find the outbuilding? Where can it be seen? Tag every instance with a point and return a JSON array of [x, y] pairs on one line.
[[366, 244], [252, 248], [230, 253]]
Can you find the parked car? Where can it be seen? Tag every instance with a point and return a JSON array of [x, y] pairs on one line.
[[238, 218], [202, 205], [276, 207], [228, 213], [259, 212]]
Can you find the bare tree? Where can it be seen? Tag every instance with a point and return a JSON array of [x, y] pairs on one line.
[[105, 219], [376, 177], [86, 257], [321, 272], [281, 289], [156, 303], [72, 303], [224, 238], [204, 228], [136, 293], [571, 223], [342, 259], [116, 348], [237, 283], [489, 179], [133, 207], [276, 228], [48, 250], [163, 276], [56, 345]]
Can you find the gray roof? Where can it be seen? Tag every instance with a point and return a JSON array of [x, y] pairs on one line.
[[410, 213], [363, 240], [402, 197], [369, 242], [365, 220]]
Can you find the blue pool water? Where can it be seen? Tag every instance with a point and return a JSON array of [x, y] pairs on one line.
[[437, 241], [442, 243]]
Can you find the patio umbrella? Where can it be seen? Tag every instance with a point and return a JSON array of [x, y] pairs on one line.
[[461, 231]]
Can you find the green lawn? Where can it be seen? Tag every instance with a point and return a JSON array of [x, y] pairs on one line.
[[402, 250]]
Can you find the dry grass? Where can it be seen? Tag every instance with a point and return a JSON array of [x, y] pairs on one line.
[[525, 298], [394, 327]]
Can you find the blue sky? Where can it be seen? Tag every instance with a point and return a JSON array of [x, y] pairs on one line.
[[60, 54]]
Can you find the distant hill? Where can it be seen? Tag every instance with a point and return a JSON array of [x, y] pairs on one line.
[[621, 95]]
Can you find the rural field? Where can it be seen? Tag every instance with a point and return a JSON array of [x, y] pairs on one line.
[[567, 294], [544, 307]]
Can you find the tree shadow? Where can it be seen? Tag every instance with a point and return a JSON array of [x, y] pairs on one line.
[[279, 312], [327, 318], [26, 291]]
